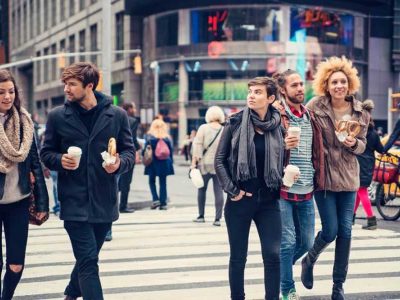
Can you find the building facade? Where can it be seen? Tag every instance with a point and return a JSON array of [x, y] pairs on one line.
[[198, 53], [206, 51], [44, 27]]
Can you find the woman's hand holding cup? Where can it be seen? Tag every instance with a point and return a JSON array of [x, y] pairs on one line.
[[292, 139]]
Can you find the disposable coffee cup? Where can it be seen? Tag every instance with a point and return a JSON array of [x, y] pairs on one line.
[[76, 152], [294, 131], [291, 171]]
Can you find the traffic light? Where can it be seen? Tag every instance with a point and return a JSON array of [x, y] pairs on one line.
[[137, 65], [61, 60]]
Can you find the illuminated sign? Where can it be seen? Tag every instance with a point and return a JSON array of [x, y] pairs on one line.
[[216, 20], [317, 17]]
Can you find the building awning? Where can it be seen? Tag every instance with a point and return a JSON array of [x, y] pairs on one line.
[[149, 7]]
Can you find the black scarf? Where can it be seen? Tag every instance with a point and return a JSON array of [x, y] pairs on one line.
[[274, 147]]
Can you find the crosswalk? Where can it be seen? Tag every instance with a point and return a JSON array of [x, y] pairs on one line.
[[163, 255]]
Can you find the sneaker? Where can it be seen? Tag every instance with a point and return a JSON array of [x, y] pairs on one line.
[[155, 204], [217, 223], [199, 219], [163, 207], [291, 296]]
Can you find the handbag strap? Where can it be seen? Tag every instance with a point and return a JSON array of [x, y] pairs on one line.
[[209, 145]]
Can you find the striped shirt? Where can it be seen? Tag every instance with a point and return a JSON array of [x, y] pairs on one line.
[[301, 156]]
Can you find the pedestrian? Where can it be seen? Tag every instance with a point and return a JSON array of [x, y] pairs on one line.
[[19, 159], [367, 164], [161, 165], [204, 148], [335, 82], [125, 179], [394, 136], [185, 147], [192, 135], [305, 152], [249, 166], [88, 192]]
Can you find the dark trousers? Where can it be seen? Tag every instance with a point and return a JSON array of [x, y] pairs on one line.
[[124, 185], [15, 219], [218, 195], [163, 189], [266, 215], [87, 240]]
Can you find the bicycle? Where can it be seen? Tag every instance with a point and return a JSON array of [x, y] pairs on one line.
[[387, 197]]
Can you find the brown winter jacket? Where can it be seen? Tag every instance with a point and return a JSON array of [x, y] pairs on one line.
[[341, 165], [317, 147]]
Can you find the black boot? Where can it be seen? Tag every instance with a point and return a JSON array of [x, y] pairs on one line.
[[307, 264], [371, 223], [354, 219], [342, 254]]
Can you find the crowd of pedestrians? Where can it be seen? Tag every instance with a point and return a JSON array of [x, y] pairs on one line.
[[272, 159]]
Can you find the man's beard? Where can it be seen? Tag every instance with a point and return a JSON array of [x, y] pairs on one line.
[[295, 100], [78, 100]]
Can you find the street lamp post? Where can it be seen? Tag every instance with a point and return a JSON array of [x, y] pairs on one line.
[[156, 69]]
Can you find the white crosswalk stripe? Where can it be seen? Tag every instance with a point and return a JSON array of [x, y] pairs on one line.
[[164, 255]]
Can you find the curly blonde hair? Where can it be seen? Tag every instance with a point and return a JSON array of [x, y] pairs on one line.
[[334, 64]]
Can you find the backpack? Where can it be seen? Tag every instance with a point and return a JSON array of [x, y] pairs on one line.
[[147, 156], [162, 150]]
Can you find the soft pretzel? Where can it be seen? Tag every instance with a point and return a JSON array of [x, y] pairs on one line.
[[112, 147], [341, 126], [353, 128]]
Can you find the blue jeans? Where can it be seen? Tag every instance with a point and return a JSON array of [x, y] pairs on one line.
[[54, 178], [163, 189], [336, 212], [298, 222]]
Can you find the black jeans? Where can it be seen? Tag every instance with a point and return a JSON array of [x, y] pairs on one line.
[[124, 185], [87, 240], [15, 219], [266, 216]]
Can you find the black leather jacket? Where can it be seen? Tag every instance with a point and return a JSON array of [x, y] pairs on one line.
[[31, 164]]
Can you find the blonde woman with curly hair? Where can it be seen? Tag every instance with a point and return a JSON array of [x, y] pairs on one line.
[[162, 164], [335, 83]]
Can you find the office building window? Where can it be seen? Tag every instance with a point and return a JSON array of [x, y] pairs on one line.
[[25, 23], [38, 17], [62, 46], [81, 4], [46, 66], [53, 5], [71, 7], [93, 42], [62, 10], [119, 34], [19, 28], [54, 63], [31, 20], [82, 48], [46, 14], [71, 49], [37, 69], [167, 30]]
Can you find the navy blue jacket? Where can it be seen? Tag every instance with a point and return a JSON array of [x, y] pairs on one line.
[[159, 167], [31, 164], [88, 193]]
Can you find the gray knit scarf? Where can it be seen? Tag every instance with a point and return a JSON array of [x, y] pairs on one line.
[[274, 148], [15, 148]]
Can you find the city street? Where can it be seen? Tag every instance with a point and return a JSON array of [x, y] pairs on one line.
[[163, 255]]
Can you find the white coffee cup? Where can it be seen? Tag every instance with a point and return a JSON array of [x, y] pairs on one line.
[[291, 171], [76, 152], [294, 131]]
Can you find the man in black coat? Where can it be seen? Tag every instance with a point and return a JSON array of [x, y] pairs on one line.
[[126, 178], [87, 189]]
